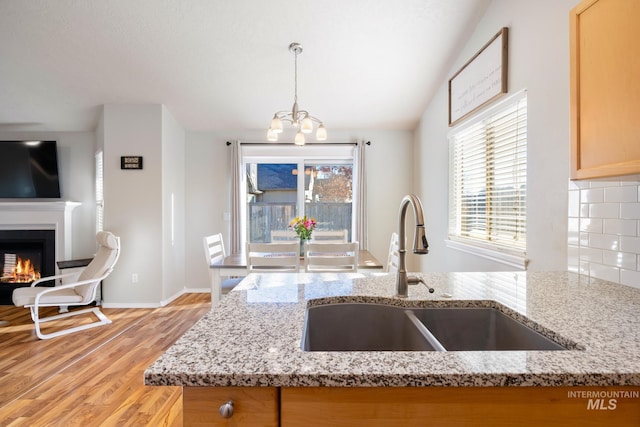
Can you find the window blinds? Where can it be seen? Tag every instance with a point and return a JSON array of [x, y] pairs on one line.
[[488, 183], [99, 192]]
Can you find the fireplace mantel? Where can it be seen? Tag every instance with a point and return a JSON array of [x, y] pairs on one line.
[[38, 206], [38, 215]]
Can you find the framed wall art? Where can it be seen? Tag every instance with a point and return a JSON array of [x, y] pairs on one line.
[[482, 79]]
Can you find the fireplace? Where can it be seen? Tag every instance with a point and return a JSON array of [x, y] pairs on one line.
[[25, 255]]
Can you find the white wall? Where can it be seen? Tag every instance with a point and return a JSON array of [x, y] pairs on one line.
[[133, 203], [390, 175], [76, 152], [538, 62]]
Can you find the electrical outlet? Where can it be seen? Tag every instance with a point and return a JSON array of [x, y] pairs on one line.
[[134, 278]]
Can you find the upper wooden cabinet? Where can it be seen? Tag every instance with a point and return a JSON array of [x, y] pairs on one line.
[[605, 88]]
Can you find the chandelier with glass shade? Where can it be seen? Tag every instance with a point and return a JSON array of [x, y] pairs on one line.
[[299, 119]]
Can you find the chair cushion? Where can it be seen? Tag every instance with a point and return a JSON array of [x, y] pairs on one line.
[[101, 263], [27, 296], [105, 238]]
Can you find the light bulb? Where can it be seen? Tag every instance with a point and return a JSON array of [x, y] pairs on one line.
[[276, 125], [321, 133], [306, 126]]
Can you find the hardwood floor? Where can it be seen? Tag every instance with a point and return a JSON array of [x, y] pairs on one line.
[[92, 377]]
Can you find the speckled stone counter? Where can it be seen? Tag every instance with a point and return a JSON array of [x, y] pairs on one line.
[[252, 337]]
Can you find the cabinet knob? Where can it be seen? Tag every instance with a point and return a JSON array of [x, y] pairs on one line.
[[226, 409]]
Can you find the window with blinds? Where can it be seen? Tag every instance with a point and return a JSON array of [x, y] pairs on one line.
[[488, 179], [99, 192]]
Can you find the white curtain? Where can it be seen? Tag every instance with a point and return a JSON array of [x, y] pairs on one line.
[[360, 199], [237, 212]]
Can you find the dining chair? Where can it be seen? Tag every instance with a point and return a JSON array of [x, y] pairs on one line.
[[393, 260], [273, 257], [326, 257], [283, 235], [330, 236], [215, 252]]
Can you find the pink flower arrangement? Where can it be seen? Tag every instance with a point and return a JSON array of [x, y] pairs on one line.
[[303, 226]]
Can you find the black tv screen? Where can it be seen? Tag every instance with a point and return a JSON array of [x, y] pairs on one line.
[[29, 169]]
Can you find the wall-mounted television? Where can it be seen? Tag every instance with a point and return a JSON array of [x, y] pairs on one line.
[[29, 169]]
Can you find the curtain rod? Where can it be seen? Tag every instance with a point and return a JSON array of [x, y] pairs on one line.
[[291, 143]]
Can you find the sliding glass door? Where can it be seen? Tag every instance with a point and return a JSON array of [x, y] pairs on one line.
[[279, 188], [329, 194]]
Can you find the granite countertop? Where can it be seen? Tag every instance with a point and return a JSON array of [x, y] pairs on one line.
[[252, 337]]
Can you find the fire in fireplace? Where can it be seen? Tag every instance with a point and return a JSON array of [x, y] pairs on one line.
[[25, 256], [18, 270]]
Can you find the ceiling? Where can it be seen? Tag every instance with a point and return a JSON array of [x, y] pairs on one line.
[[225, 64]]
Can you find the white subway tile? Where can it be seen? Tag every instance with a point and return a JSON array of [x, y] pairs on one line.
[[592, 195], [591, 225], [609, 242], [601, 184], [584, 210], [604, 272], [630, 244], [626, 227], [584, 239], [591, 255], [574, 203], [619, 259], [584, 268], [573, 231], [573, 258], [620, 194], [604, 210], [630, 210], [573, 224], [630, 278]]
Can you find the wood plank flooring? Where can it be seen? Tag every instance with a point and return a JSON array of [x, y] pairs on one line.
[[93, 377]]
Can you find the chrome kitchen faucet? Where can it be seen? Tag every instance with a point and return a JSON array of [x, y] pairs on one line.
[[420, 244]]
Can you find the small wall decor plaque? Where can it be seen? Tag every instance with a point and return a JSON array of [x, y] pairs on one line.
[[131, 162], [480, 80]]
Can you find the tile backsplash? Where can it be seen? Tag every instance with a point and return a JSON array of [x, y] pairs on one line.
[[604, 230]]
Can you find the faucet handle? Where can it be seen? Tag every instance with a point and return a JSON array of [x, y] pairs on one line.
[[414, 280]]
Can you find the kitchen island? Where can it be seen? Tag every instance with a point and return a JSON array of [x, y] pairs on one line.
[[250, 342]]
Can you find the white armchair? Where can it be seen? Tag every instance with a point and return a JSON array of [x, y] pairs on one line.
[[80, 292]]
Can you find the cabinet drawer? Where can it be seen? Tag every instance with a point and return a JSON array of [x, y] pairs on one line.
[[252, 406]]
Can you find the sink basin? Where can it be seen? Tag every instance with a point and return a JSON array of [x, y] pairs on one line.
[[361, 327], [379, 327], [481, 329]]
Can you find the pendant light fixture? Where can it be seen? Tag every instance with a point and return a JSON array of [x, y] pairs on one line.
[[299, 119]]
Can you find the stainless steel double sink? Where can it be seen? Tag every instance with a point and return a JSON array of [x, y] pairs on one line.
[[380, 327]]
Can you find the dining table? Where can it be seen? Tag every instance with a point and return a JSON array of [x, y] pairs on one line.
[[235, 265]]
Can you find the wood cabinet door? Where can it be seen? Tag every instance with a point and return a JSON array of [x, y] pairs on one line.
[[460, 406], [605, 88]]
